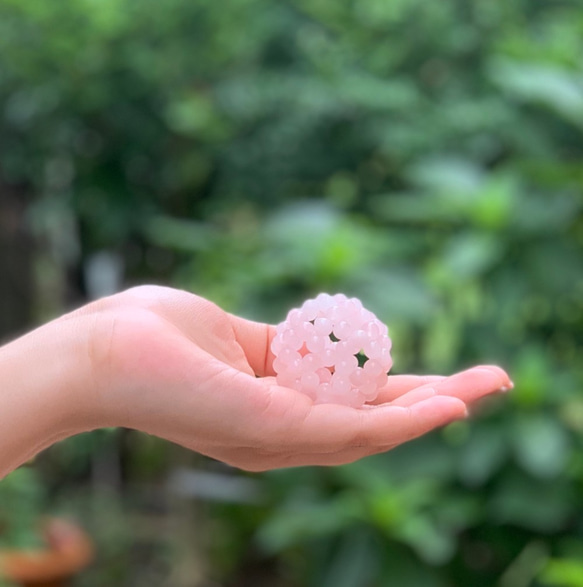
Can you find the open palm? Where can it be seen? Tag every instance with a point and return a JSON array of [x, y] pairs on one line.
[[177, 366]]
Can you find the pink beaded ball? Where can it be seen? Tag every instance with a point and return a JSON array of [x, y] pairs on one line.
[[333, 350]]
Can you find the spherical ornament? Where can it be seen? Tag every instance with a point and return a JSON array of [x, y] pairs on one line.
[[333, 350]]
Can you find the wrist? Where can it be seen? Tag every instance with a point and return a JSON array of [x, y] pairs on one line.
[[45, 394]]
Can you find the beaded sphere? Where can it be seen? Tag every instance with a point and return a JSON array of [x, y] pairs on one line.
[[333, 350]]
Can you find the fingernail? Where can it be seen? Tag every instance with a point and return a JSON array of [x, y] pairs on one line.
[[506, 388], [464, 415]]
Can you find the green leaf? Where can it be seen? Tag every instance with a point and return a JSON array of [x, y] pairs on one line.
[[553, 86], [563, 573], [295, 523]]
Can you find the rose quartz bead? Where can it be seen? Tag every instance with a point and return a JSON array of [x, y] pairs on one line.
[[373, 348], [288, 356], [374, 330], [311, 363], [340, 384], [339, 298], [323, 326], [342, 330], [373, 368], [357, 340], [324, 375], [369, 389], [323, 389], [306, 330], [277, 344], [356, 399], [295, 318], [309, 381], [346, 366], [343, 350], [328, 357], [316, 344], [382, 380], [310, 309], [292, 340]]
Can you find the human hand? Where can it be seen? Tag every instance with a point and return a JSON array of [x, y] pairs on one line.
[[175, 365]]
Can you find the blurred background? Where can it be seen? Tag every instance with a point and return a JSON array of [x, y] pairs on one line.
[[423, 156]]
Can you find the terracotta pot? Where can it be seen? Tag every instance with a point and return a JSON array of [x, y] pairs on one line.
[[69, 550]]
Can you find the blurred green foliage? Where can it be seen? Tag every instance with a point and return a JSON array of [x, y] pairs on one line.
[[23, 500], [424, 156]]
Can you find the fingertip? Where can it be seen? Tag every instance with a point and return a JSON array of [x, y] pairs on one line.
[[500, 374]]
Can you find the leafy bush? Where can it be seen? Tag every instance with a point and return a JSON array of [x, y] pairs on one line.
[[421, 155]]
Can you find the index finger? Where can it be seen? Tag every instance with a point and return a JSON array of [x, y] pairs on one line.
[[469, 385], [255, 340]]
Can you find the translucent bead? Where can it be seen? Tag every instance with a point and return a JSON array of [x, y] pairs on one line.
[[310, 363], [369, 316], [324, 375], [382, 380], [279, 366], [352, 311], [357, 376], [329, 396], [306, 330], [342, 330], [310, 310], [358, 340], [354, 303], [324, 301], [277, 344], [316, 343], [347, 365], [295, 318], [374, 330], [360, 320], [373, 368], [288, 356], [328, 357], [372, 349], [385, 359], [343, 350], [292, 340], [336, 314], [355, 399], [368, 389], [309, 381], [340, 384], [323, 326]]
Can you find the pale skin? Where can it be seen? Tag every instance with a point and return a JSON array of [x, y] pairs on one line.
[[176, 366]]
